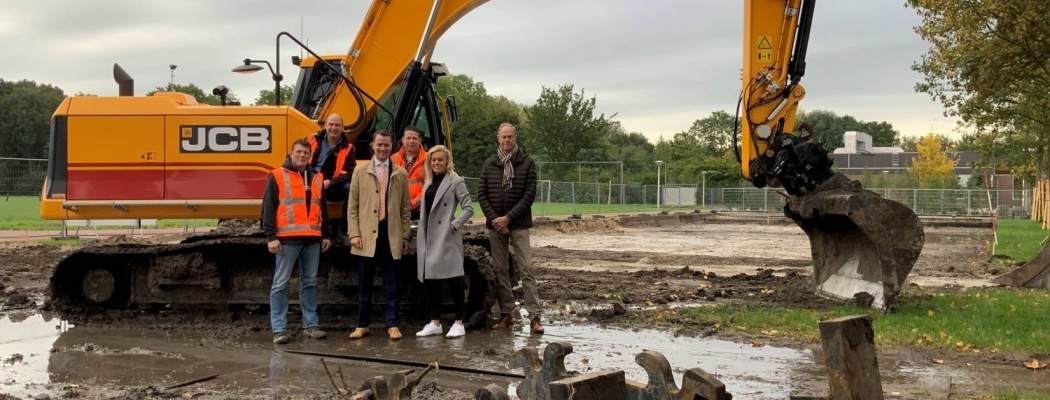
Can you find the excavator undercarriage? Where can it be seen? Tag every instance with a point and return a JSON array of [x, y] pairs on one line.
[[229, 272]]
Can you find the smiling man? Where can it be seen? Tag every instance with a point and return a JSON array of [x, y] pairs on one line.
[[295, 221], [378, 225]]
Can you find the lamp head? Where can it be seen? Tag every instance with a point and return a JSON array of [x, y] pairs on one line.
[[247, 68]]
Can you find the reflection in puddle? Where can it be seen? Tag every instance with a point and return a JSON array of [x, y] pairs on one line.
[[745, 370], [31, 337]]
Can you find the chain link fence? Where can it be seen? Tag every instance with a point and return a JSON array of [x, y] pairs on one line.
[[561, 198], [22, 176]]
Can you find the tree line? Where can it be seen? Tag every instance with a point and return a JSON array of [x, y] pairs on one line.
[[562, 130]]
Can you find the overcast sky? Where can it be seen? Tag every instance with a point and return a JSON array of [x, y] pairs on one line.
[[658, 64]]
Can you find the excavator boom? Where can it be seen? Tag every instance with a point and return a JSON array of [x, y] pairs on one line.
[[863, 246]]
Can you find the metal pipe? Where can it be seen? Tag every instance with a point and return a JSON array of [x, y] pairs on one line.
[[427, 30], [405, 362]]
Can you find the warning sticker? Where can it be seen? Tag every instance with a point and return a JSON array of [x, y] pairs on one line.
[[765, 49]]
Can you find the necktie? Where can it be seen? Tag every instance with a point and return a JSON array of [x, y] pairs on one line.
[[382, 191]]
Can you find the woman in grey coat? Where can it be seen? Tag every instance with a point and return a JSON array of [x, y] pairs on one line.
[[439, 243]]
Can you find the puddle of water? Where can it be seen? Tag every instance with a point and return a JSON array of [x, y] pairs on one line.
[[752, 372], [31, 336]]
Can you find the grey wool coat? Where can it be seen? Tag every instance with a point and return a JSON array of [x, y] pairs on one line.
[[439, 251]]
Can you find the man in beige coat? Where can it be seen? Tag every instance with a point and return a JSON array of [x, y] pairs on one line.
[[378, 225]]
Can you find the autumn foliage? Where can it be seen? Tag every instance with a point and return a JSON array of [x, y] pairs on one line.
[[933, 166]]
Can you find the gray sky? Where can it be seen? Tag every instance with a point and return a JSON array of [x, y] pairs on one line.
[[659, 64]]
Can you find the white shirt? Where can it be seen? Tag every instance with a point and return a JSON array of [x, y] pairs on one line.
[[380, 166]]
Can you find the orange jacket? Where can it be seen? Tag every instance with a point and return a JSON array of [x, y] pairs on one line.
[[416, 177], [294, 218], [340, 173]]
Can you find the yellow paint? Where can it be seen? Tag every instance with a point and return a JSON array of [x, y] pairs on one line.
[[765, 50]]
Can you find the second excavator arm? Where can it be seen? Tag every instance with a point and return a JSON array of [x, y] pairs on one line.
[[863, 246], [776, 38]]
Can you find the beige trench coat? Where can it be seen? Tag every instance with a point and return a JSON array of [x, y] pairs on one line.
[[362, 216], [439, 251]]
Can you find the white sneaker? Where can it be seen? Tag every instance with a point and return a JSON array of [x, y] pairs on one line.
[[456, 331], [430, 329]]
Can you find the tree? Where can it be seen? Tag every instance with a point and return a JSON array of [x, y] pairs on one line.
[[196, 92], [987, 66], [933, 167], [474, 132], [562, 123], [911, 143], [829, 128], [25, 115], [714, 133], [266, 96]]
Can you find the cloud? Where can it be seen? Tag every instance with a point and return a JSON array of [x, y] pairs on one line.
[[657, 65]]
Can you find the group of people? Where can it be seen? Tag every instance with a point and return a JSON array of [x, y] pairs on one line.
[[383, 197]]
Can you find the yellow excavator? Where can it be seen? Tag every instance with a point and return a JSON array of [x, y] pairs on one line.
[[168, 157]]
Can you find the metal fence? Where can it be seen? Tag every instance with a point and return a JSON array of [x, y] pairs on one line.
[[22, 176], [560, 198]]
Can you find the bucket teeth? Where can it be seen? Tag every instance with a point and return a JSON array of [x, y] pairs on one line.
[[863, 245]]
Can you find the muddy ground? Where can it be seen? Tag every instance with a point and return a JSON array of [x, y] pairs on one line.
[[598, 279]]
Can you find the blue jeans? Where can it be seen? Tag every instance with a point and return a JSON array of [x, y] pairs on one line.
[[366, 272], [308, 255]]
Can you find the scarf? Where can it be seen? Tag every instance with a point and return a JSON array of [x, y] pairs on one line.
[[508, 166]]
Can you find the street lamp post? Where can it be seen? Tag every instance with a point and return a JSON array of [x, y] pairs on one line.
[[703, 190], [251, 66], [659, 163]]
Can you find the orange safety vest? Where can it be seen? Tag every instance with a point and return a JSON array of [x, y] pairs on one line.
[[416, 178], [340, 158], [293, 218]]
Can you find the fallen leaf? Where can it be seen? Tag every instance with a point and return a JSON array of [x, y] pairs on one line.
[[929, 312], [757, 344], [943, 335], [938, 361], [976, 351], [769, 332], [1034, 364], [1013, 308], [814, 339]]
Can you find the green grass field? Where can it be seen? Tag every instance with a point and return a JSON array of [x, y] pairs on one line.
[[1019, 239], [23, 213]]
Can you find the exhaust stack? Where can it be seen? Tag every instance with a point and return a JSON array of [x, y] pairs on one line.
[[124, 81]]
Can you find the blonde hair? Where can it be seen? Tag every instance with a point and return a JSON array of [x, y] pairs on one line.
[[429, 169]]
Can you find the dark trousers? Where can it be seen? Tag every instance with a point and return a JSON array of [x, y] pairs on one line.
[[366, 270], [434, 286]]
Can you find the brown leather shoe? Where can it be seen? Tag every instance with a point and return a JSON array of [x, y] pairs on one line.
[[535, 325], [359, 333], [394, 333], [506, 322]]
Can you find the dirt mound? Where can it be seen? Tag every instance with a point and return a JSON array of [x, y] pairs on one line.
[[236, 227], [572, 226]]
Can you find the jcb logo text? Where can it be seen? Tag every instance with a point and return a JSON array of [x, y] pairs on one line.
[[224, 139]]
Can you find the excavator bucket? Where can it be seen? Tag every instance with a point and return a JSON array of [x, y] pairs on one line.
[[864, 246], [1033, 274]]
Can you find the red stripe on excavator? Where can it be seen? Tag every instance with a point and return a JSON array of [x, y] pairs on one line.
[[185, 184]]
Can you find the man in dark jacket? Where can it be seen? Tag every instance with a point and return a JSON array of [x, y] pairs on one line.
[[295, 221], [332, 155], [506, 191]]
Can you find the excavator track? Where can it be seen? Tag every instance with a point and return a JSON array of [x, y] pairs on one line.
[[236, 272], [864, 246]]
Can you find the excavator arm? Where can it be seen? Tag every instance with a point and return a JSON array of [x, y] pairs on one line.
[[391, 51], [863, 246]]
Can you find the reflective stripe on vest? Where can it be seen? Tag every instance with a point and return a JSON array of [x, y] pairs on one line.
[[416, 179], [293, 218]]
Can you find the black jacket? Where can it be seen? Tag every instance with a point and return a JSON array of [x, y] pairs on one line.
[[328, 168], [515, 202], [269, 209]]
